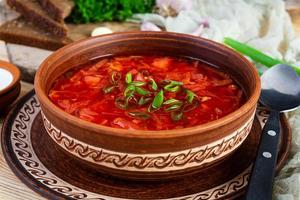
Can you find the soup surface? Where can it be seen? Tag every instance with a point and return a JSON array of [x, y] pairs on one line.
[[146, 92]]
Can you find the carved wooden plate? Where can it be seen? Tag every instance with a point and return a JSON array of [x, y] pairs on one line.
[[50, 171]]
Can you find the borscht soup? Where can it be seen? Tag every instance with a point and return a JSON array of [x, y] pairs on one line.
[[147, 92]]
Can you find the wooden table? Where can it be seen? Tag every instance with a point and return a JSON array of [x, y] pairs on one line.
[[11, 188]]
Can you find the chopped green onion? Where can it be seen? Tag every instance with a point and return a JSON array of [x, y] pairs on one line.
[[153, 84], [109, 89], [121, 104], [115, 77], [190, 96], [151, 109], [172, 89], [137, 83], [158, 99], [173, 86], [173, 107], [173, 83], [189, 107], [176, 83], [141, 91], [139, 115], [172, 101], [143, 100], [128, 78], [176, 116], [129, 91]]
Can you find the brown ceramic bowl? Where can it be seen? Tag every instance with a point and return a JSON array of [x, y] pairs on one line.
[[9, 93], [148, 154], [16, 74]]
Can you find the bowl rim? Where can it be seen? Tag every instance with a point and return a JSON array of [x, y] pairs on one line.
[[15, 72], [155, 134]]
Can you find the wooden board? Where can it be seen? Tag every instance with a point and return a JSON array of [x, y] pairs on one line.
[[52, 172]]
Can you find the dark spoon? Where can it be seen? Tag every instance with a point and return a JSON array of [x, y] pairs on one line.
[[280, 93]]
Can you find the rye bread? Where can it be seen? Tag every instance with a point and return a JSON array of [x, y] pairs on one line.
[[19, 31], [32, 11], [57, 9]]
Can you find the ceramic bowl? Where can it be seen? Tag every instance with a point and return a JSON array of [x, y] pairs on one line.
[[145, 155], [9, 84]]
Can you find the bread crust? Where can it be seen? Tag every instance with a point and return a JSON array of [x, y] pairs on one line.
[[22, 32], [57, 9], [33, 12]]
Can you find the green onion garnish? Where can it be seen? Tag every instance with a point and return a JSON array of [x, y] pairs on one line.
[[139, 115], [141, 91], [121, 104], [191, 106], [190, 96], [158, 99], [109, 89], [144, 100], [153, 84], [137, 83], [173, 107], [173, 86], [129, 91], [128, 78], [176, 116], [172, 101]]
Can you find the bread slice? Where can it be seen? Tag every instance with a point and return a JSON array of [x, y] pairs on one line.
[[19, 31], [57, 9], [32, 11]]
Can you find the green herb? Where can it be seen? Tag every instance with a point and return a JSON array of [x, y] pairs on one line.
[[139, 115], [153, 84], [176, 116], [173, 107], [173, 86], [129, 91], [141, 91], [86, 11], [144, 100], [172, 89], [151, 109], [255, 54], [121, 104], [190, 96], [173, 104], [172, 101], [191, 106], [158, 99], [137, 83], [128, 78], [109, 89]]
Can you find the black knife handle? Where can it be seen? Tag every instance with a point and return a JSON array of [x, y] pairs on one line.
[[260, 186]]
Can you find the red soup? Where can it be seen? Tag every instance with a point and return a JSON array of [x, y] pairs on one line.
[[147, 92]]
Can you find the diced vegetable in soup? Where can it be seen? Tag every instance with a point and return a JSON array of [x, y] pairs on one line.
[[147, 92]]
